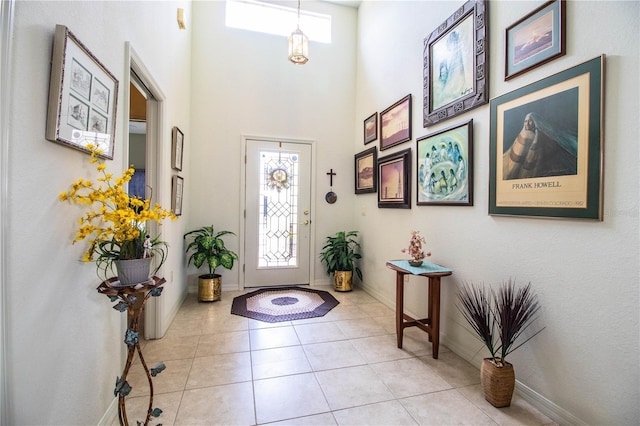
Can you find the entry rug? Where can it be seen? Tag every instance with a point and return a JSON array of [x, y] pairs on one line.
[[283, 304]]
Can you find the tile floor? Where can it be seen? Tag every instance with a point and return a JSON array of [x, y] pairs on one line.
[[340, 369]]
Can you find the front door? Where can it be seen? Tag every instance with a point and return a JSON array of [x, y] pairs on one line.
[[278, 214]]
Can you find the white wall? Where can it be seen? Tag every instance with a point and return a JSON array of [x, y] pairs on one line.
[[244, 85], [584, 366], [65, 342]]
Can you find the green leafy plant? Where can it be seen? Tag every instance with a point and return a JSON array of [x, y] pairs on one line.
[[499, 317], [340, 252], [208, 247]]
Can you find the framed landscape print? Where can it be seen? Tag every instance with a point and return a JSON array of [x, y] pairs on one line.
[[535, 39], [177, 189], [545, 146], [395, 123], [371, 128], [177, 146], [445, 167], [394, 185], [83, 96], [366, 172], [455, 60]]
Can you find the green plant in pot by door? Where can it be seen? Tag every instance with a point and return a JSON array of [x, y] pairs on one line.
[[207, 247], [339, 254], [498, 319]]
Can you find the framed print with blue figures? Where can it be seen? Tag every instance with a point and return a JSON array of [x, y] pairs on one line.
[[445, 167]]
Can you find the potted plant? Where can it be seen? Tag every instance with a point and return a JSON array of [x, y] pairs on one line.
[[339, 254], [207, 246], [498, 318], [415, 249], [116, 227]]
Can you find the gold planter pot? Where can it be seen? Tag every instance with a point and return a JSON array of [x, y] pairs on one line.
[[209, 288], [343, 280], [497, 383]]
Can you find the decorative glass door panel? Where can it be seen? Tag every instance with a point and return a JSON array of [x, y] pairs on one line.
[[278, 182]]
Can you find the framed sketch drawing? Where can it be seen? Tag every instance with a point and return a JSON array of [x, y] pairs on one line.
[[394, 185], [395, 123], [177, 189], [371, 128], [535, 39], [177, 145], [545, 146], [366, 173], [83, 97], [455, 61], [445, 167]]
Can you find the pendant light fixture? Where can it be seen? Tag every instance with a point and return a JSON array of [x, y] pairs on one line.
[[298, 44]]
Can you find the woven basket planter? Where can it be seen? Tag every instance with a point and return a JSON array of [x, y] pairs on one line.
[[497, 382]]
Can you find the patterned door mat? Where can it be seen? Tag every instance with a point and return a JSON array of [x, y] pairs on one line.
[[283, 304]]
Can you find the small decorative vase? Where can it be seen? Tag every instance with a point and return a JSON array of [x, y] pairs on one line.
[[415, 262], [133, 271], [497, 382]]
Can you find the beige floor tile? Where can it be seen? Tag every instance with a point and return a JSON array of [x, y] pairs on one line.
[[376, 309], [170, 348], [325, 419], [379, 414], [253, 324], [223, 343], [356, 328], [380, 348], [220, 369], [279, 362], [268, 338], [319, 332], [520, 412], [353, 386], [445, 408], [224, 323], [288, 397], [409, 377], [186, 327], [453, 369], [330, 355], [218, 405]]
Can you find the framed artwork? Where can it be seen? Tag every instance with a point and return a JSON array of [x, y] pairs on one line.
[[366, 173], [545, 146], [444, 161], [177, 189], [395, 123], [535, 39], [177, 145], [455, 60], [371, 128], [394, 185], [83, 97]]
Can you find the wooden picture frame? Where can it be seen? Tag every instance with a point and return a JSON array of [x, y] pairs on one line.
[[394, 183], [546, 146], [83, 97], [536, 39], [456, 64], [444, 161], [366, 171], [177, 191], [177, 146], [371, 128], [395, 123]]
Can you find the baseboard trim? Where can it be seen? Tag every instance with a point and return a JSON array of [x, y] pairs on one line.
[[111, 415]]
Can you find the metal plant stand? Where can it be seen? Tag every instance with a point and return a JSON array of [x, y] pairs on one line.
[[126, 297]]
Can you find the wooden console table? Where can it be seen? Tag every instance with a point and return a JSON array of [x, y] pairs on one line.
[[431, 324], [127, 302]]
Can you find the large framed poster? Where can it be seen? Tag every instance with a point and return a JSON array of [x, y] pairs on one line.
[[545, 148]]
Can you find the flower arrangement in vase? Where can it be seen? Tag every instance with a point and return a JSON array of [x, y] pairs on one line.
[[115, 224], [415, 249]]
